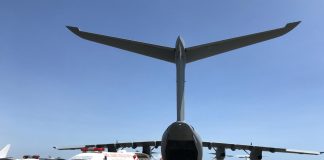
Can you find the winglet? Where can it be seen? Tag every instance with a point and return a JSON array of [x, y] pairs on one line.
[[291, 26], [75, 30]]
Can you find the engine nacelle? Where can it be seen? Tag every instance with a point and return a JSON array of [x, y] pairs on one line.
[[147, 150], [112, 148], [256, 154], [220, 153]]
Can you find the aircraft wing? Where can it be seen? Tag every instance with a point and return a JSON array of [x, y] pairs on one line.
[[151, 50], [112, 147], [69, 148], [214, 48], [257, 148]]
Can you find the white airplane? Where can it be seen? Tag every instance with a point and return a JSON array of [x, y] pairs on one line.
[[37, 157], [95, 153], [180, 141], [4, 152]]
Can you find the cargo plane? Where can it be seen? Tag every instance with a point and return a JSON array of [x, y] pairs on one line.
[[180, 141]]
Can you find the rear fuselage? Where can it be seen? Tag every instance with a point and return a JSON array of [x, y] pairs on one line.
[[181, 142]]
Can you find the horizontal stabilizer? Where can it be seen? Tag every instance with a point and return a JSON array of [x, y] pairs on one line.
[[214, 48], [151, 50]]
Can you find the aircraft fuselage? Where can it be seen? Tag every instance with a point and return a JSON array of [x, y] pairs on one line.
[[181, 142]]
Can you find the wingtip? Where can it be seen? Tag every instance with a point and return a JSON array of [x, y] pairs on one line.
[[73, 29], [292, 25]]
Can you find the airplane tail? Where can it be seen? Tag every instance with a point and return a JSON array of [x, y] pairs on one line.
[[4, 151], [181, 55], [192, 53]]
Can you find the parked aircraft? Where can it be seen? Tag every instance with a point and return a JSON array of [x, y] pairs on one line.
[[4, 152], [30, 157], [98, 153], [180, 141], [37, 157]]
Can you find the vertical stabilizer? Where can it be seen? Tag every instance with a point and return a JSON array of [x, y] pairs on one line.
[[4, 151], [180, 60]]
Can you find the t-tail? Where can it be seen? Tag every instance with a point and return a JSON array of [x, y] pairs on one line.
[[180, 55]]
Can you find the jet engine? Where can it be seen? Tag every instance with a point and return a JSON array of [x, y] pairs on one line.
[[256, 154], [220, 153]]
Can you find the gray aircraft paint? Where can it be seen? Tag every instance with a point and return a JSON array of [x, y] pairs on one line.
[[180, 60], [180, 140]]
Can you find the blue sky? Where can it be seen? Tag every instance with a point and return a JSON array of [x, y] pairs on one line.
[[57, 89]]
